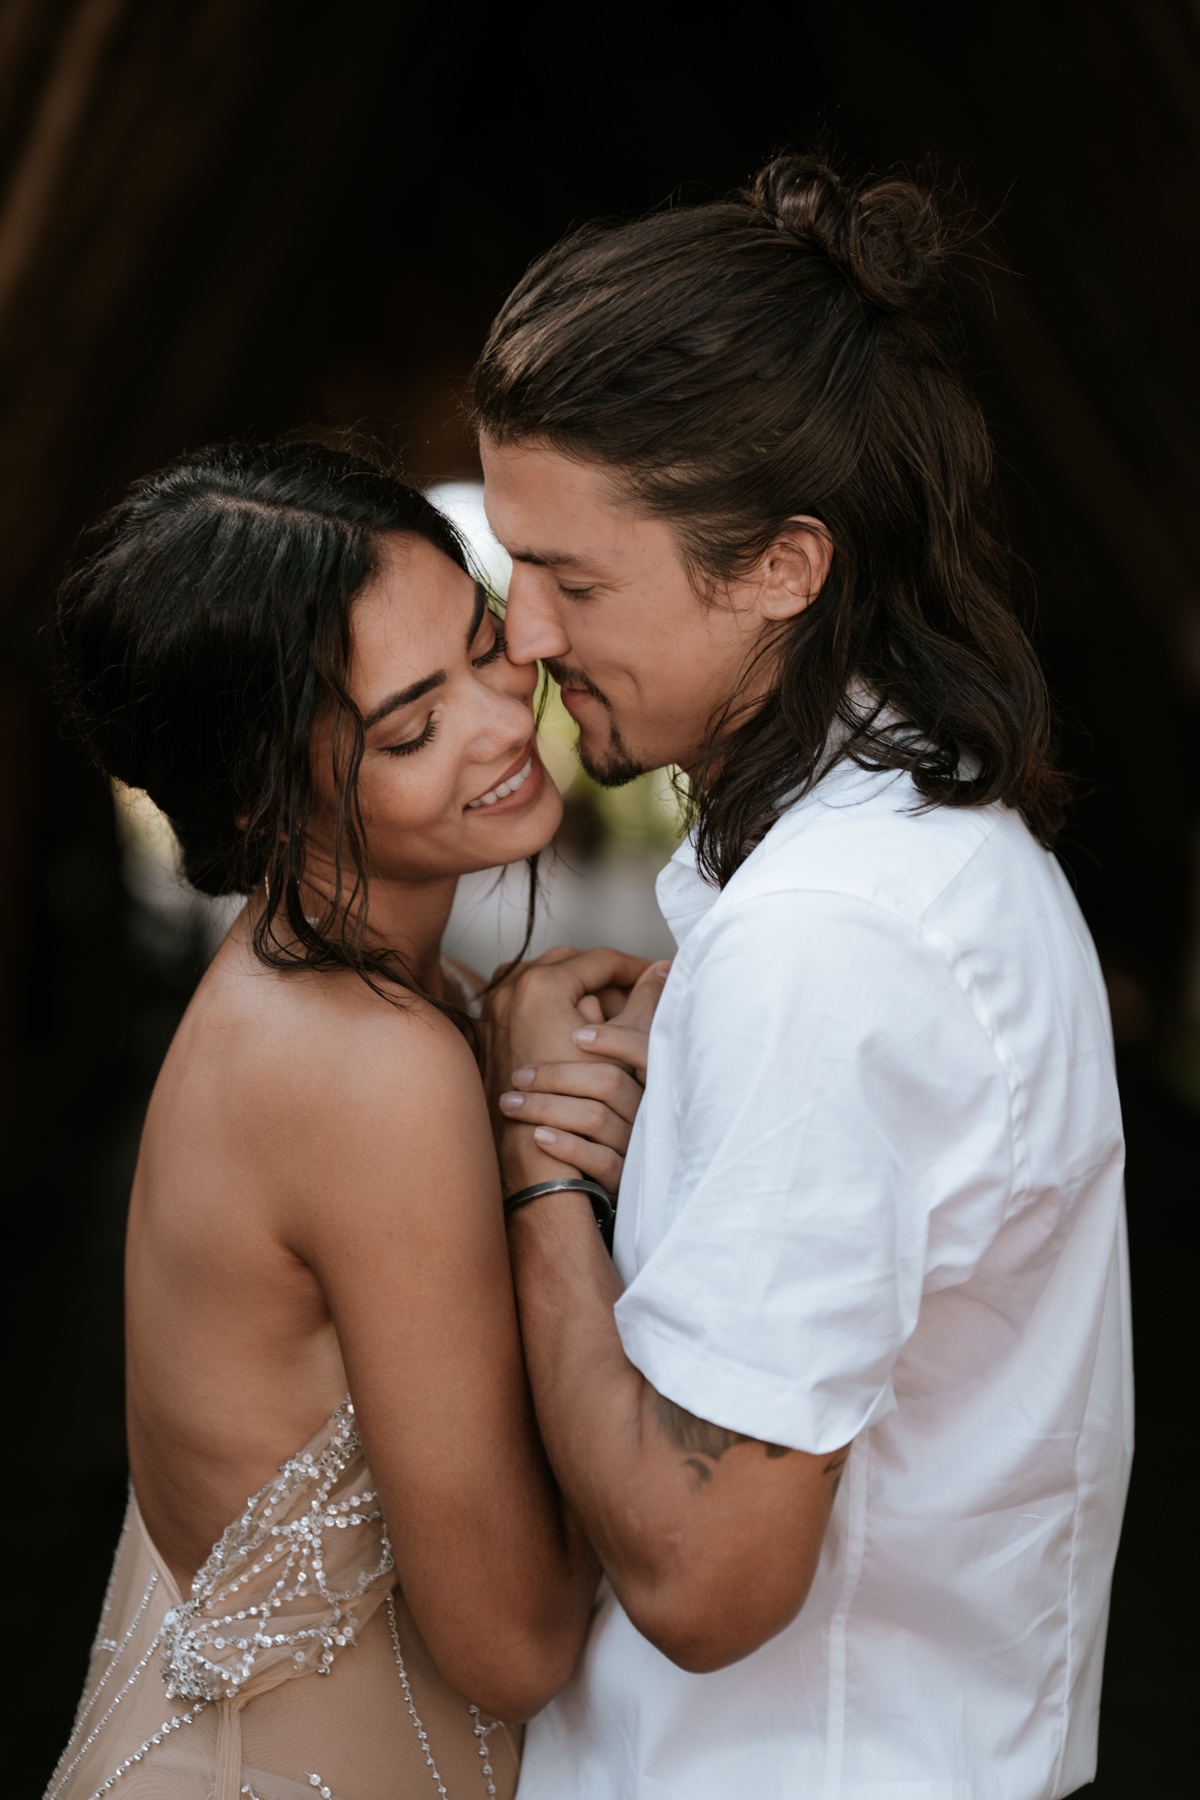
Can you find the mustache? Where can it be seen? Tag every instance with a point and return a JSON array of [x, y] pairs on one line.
[[575, 678]]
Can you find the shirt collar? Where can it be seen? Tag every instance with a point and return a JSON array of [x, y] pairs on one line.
[[683, 894], [685, 897]]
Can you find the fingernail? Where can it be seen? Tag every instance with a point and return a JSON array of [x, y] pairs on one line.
[[510, 1102], [545, 1136], [585, 1035], [663, 969], [523, 1077]]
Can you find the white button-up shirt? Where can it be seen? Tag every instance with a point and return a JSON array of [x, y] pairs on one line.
[[874, 1193]]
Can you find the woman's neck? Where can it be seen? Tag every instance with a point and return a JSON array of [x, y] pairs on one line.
[[412, 920], [409, 918]]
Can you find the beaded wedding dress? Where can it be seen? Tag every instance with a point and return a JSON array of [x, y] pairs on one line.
[[294, 1669]]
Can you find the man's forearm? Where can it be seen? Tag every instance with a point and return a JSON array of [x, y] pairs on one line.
[[587, 1393], [710, 1553]]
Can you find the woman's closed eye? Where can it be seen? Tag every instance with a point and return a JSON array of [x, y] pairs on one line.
[[415, 743], [493, 653], [495, 649]]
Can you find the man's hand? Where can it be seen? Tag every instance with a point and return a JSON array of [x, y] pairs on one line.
[[581, 1112]]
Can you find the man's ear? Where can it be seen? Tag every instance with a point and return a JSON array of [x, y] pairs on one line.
[[794, 568]]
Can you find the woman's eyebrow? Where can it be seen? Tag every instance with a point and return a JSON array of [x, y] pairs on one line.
[[404, 697], [481, 601]]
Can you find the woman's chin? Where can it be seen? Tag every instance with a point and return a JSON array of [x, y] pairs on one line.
[[536, 830], [512, 837], [521, 824]]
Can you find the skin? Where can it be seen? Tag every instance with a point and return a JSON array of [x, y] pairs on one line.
[[709, 1538], [316, 1208], [601, 594]]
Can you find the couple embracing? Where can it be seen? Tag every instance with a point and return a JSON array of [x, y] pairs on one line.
[[812, 1486]]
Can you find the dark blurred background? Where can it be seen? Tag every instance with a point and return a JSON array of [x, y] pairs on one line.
[[232, 215]]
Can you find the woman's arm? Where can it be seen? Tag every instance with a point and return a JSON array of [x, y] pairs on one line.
[[397, 1211]]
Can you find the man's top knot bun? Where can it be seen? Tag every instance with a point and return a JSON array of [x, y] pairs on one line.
[[885, 236]]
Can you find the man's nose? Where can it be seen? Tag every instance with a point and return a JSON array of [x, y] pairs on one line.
[[532, 629]]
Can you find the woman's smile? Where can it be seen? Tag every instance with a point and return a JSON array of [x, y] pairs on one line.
[[519, 786], [449, 729]]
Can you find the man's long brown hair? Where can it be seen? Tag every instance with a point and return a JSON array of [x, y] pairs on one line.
[[792, 352]]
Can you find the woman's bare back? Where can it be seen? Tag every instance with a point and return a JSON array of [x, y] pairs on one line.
[[316, 1213], [233, 1359]]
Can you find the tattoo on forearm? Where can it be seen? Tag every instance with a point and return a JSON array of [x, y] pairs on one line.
[[702, 1439], [835, 1467], [706, 1443]]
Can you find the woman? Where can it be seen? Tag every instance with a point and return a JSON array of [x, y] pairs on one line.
[[284, 648]]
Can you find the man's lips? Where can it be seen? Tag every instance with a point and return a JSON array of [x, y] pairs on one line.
[[573, 682], [520, 784], [575, 699]]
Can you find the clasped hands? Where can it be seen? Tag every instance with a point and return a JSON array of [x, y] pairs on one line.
[[568, 1037]]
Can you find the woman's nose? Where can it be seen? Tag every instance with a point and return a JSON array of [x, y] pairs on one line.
[[532, 628], [508, 721]]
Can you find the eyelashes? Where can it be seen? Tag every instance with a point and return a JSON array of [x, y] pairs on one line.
[[410, 748], [414, 744], [494, 654]]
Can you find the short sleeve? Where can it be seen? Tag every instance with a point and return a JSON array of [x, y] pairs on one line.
[[842, 1140]]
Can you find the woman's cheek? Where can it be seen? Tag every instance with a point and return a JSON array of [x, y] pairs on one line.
[[428, 796]]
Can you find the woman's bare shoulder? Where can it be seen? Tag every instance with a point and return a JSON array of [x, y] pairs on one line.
[[303, 1063], [333, 1029]]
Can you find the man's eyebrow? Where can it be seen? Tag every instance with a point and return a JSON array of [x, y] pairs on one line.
[[404, 697], [543, 559]]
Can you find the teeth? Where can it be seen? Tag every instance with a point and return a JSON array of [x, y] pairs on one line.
[[503, 788]]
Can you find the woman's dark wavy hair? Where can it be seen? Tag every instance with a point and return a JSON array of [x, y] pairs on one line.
[[201, 636], [794, 351]]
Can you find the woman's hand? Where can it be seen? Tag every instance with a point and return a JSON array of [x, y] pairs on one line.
[[531, 1015], [623, 1036], [580, 1113]]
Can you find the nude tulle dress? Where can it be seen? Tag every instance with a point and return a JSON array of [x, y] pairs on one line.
[[292, 1670]]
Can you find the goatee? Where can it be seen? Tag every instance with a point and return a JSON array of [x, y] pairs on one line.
[[618, 766]]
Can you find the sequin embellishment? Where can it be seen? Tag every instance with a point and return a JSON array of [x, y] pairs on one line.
[[285, 1589], [212, 1646]]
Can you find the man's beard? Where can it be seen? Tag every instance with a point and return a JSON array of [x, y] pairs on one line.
[[618, 765]]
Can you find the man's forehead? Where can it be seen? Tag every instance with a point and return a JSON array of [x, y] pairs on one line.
[[536, 485], [550, 511]]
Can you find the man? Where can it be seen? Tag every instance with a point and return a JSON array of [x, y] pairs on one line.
[[870, 1223]]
